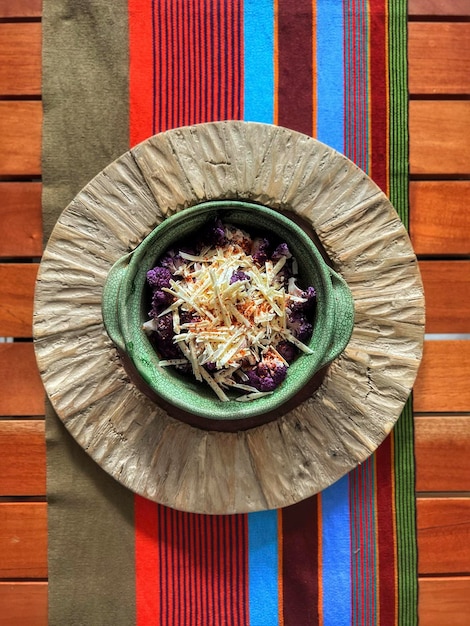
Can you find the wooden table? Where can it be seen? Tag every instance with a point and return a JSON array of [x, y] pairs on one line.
[[439, 83]]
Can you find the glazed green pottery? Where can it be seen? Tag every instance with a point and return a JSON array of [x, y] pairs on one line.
[[125, 307]]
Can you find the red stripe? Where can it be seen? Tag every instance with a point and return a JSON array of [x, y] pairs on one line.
[[295, 82], [147, 555], [378, 89], [300, 563], [141, 70], [384, 467]]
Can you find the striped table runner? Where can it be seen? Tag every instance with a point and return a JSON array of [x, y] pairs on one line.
[[115, 73]]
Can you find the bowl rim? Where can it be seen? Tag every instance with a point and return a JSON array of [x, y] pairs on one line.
[[166, 382]]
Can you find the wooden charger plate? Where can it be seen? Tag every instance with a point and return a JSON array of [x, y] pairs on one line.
[[301, 452]]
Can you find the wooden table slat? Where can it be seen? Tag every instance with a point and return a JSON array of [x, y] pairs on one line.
[[20, 130], [16, 304], [439, 137], [23, 458], [20, 8], [19, 374], [439, 8], [20, 219], [23, 540], [447, 293], [442, 442], [442, 381], [439, 58], [443, 535], [444, 601], [23, 603], [20, 59], [439, 217]]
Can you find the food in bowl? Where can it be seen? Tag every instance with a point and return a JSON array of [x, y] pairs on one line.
[[226, 308]]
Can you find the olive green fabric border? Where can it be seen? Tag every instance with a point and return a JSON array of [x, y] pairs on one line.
[[85, 98]]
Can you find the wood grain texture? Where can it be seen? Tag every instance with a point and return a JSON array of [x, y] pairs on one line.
[[20, 219], [439, 137], [442, 441], [19, 374], [443, 535], [439, 217], [16, 305], [444, 601], [23, 458], [442, 382], [442, 8], [20, 130], [447, 292], [20, 8], [283, 461], [20, 59], [23, 603], [23, 540], [439, 57]]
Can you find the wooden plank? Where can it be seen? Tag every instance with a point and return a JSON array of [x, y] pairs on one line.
[[442, 441], [20, 130], [442, 381], [23, 458], [20, 8], [444, 601], [439, 58], [443, 535], [16, 303], [20, 377], [23, 540], [20, 219], [447, 293], [439, 217], [439, 137], [20, 59], [23, 603], [444, 8]]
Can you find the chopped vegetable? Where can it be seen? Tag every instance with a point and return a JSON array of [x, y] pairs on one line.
[[230, 311]]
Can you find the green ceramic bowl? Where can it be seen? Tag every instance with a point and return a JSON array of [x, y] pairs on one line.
[[125, 308]]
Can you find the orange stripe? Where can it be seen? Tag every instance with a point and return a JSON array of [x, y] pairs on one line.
[[280, 586], [320, 560], [147, 556]]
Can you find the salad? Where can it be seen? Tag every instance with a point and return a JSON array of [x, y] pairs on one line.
[[228, 310]]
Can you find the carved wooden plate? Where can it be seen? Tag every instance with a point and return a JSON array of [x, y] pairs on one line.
[[311, 446]]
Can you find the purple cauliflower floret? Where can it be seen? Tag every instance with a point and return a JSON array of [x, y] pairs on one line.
[[267, 375], [259, 250], [163, 337], [159, 277], [287, 350], [281, 250], [160, 300], [238, 275], [215, 235], [310, 296], [299, 326], [172, 261]]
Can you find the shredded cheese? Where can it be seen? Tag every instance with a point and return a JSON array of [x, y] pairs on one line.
[[239, 313]]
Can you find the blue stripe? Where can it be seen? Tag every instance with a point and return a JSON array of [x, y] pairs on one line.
[[263, 568], [258, 35], [258, 100], [330, 73], [336, 554]]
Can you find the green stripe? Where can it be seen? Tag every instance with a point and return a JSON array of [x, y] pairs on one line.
[[403, 433]]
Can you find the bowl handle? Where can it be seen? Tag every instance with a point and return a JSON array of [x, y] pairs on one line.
[[110, 301], [344, 317]]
